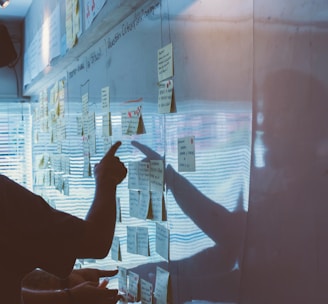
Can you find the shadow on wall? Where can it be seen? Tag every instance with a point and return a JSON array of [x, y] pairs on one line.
[[287, 231], [213, 274], [286, 245]]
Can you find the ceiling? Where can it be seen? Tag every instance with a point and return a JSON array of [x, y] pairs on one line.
[[17, 9]]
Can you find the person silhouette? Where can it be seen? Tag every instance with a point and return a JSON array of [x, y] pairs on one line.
[[287, 230], [34, 235]]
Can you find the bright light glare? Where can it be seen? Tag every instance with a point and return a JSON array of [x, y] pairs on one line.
[[46, 42], [4, 4]]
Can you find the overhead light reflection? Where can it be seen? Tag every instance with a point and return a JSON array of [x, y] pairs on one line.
[[4, 3]]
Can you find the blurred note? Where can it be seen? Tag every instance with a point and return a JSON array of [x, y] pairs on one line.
[[85, 104], [158, 211], [144, 201], [122, 279], [162, 241], [146, 292], [116, 249], [134, 203], [106, 125], [105, 99], [161, 286], [144, 174], [118, 210], [107, 143], [133, 286], [91, 124], [132, 239], [79, 125], [142, 241], [133, 179], [156, 175]]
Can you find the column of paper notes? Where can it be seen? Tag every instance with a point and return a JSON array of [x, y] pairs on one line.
[[166, 103]]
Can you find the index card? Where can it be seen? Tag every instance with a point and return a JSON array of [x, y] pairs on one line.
[[143, 175], [122, 279], [85, 104], [105, 99], [142, 241], [162, 241], [144, 200], [165, 62], [161, 285], [186, 154], [132, 239], [133, 286], [146, 292], [165, 97], [125, 122], [132, 122], [116, 249], [91, 117], [133, 179], [156, 175], [106, 125], [134, 203], [158, 211]]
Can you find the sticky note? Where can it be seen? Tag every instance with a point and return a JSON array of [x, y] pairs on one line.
[[162, 241], [186, 154], [146, 292], [105, 99], [161, 285], [142, 241], [156, 175], [165, 97], [165, 62]]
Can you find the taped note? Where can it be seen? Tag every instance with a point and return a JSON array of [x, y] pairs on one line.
[[162, 241], [161, 286], [186, 154], [132, 122], [165, 62], [166, 100]]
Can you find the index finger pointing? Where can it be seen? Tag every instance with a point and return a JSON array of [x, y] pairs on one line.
[[111, 152], [107, 273]]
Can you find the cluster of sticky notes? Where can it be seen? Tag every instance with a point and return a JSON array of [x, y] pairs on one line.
[[166, 102], [52, 170], [138, 240], [147, 176], [106, 114], [73, 26], [86, 127], [146, 185], [136, 289], [49, 115], [132, 121]]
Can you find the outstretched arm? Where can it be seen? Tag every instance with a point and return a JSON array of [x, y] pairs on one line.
[[101, 218], [39, 279], [84, 293]]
